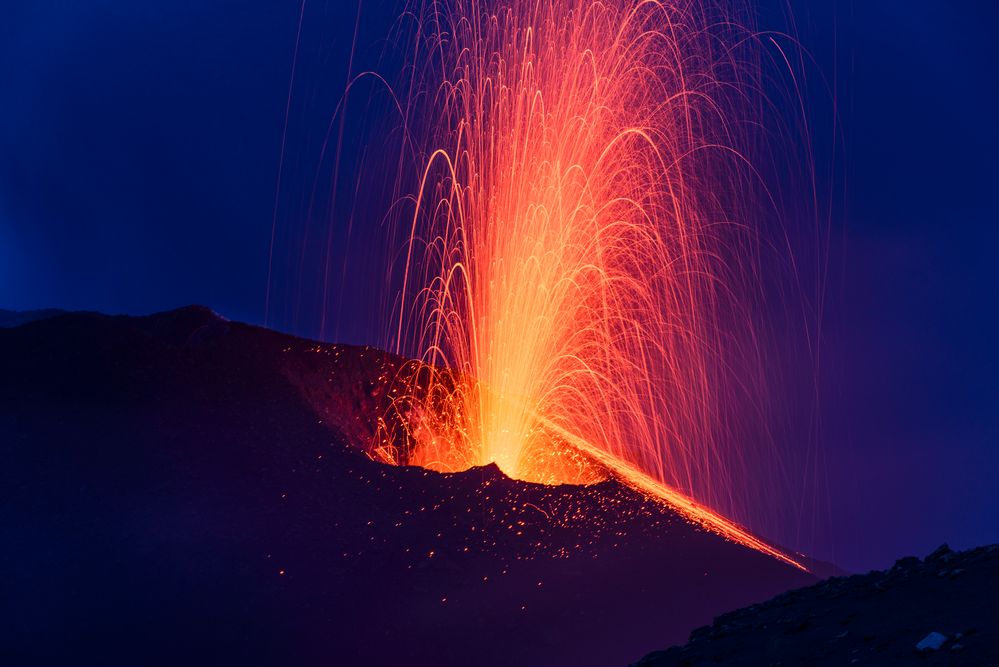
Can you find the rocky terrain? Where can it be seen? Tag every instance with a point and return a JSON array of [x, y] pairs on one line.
[[179, 488], [942, 610]]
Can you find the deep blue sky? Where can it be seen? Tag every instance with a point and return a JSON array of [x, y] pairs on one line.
[[139, 144]]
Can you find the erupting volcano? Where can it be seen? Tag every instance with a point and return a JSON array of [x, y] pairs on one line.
[[534, 332], [581, 286]]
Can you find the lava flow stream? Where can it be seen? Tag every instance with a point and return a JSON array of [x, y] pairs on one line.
[[633, 477]]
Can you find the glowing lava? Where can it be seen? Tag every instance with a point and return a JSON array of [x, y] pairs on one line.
[[578, 255]]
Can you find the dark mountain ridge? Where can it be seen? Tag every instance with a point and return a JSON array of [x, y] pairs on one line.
[[15, 318], [173, 494], [942, 610]]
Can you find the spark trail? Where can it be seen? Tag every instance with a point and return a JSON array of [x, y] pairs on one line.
[[580, 284]]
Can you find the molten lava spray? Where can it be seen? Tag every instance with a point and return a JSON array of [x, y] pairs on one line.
[[579, 281]]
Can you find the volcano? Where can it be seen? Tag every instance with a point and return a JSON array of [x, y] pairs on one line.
[[182, 488]]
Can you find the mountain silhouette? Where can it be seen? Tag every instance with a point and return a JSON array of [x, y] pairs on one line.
[[182, 488]]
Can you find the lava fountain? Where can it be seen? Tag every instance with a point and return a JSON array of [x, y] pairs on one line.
[[580, 279]]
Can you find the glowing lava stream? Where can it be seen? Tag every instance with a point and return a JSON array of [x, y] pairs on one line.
[[638, 480]]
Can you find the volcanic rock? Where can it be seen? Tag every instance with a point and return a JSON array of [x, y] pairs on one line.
[[931, 642]]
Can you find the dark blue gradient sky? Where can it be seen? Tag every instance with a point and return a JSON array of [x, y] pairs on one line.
[[139, 144]]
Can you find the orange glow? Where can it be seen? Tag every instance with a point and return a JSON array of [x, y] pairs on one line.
[[579, 273]]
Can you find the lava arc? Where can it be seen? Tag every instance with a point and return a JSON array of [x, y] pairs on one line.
[[580, 286]]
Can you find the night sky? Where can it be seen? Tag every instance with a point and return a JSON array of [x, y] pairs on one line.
[[139, 149]]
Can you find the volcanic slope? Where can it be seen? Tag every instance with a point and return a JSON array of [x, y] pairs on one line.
[[181, 488]]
